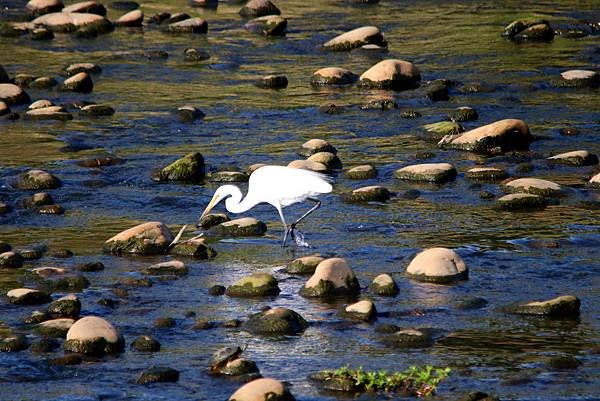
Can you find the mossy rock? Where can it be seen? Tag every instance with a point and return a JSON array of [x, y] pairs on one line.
[[430, 172], [486, 174], [464, 113], [515, 202], [67, 360], [563, 306], [578, 158], [66, 282], [529, 30], [437, 90], [189, 168], [243, 227], [272, 81], [327, 381], [362, 310], [228, 176], [563, 362], [276, 321], [95, 347], [268, 25], [255, 285], [158, 374], [326, 289], [213, 219], [362, 172], [410, 338], [441, 129], [68, 306], [372, 193], [27, 296], [145, 343], [44, 345], [38, 179], [304, 265], [197, 249], [534, 186], [13, 343], [56, 328], [240, 367], [384, 285], [145, 239]]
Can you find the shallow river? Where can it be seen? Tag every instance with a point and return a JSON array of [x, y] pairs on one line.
[[506, 253]]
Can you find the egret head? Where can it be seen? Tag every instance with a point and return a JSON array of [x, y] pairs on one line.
[[221, 193]]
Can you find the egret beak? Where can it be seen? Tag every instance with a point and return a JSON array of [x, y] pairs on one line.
[[215, 199]]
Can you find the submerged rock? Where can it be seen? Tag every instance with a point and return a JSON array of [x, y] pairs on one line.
[[259, 8], [410, 338], [228, 176], [357, 38], [12, 342], [464, 113], [442, 128], [241, 367], [97, 110], [332, 76], [189, 168], [391, 74], [276, 321], [529, 30], [243, 227], [437, 265], [273, 81], [144, 239], [43, 83], [304, 265], [332, 277], [498, 137], [27, 296], [158, 374], [563, 306], [269, 25], [41, 34], [534, 186], [432, 172], [67, 306], [145, 343], [91, 7], [191, 54], [172, 267], [189, 113], [93, 335], [373, 193], [55, 328], [213, 219], [384, 285], [197, 248], [254, 285], [487, 174], [576, 158], [10, 260], [65, 22]]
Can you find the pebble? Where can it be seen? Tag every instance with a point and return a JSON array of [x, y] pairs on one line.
[[80, 82], [391, 74], [332, 277], [356, 38], [189, 168], [273, 81], [92, 335], [145, 239], [255, 285], [276, 321], [259, 8], [191, 25], [428, 172], [332, 76], [132, 18], [384, 285], [576, 158], [268, 25], [437, 265]]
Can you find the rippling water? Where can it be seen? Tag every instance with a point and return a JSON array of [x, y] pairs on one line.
[[487, 350]]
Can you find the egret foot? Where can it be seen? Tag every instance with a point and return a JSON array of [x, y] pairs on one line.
[[299, 239]]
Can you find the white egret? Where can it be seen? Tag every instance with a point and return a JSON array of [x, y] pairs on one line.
[[278, 186]]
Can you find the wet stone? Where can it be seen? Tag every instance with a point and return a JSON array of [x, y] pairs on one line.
[[357, 38], [49, 113], [241, 367], [67, 360], [373, 193], [309, 165], [268, 25], [41, 34], [41, 7], [276, 321], [27, 296], [158, 18], [64, 282], [440, 129], [13, 95], [332, 277], [464, 113], [145, 239], [37, 316], [4, 109], [437, 265], [259, 8], [13, 343], [529, 30], [521, 201], [188, 113], [61, 253], [95, 336], [191, 54], [197, 248], [486, 174], [254, 285], [80, 82], [164, 322], [578, 79], [410, 338], [316, 145], [177, 17], [470, 303], [101, 161], [576, 158], [33, 253], [272, 81], [40, 104], [158, 374], [213, 219], [203, 324], [216, 290], [228, 176], [535, 186], [10, 260], [51, 209], [384, 285], [437, 90], [43, 83], [97, 110], [189, 168], [243, 227], [361, 310], [4, 208], [44, 345], [304, 265], [429, 172], [562, 306], [329, 160], [145, 343], [563, 362], [173, 267], [190, 25], [55, 328], [477, 396], [595, 180], [67, 306], [132, 18], [362, 172], [91, 7], [486, 195], [391, 74], [332, 76], [524, 168], [498, 137], [24, 80]]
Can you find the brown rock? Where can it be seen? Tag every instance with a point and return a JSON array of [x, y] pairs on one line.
[[391, 74], [132, 18], [356, 38], [500, 136], [191, 25], [13, 95], [259, 8]]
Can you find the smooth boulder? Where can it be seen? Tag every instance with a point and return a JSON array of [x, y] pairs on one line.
[[276, 321], [562, 306], [535, 186], [384, 285], [268, 25], [38, 179], [242, 227], [356, 38], [255, 285], [190, 25], [259, 8], [27, 296], [498, 137], [486, 174], [304, 265], [576, 158], [95, 336], [144, 239], [362, 310], [263, 389], [578, 79], [332, 277], [529, 30], [362, 172], [437, 265], [391, 74], [332, 76], [65, 22], [428, 172], [316, 145], [80, 82], [12, 94], [373, 193], [41, 7]]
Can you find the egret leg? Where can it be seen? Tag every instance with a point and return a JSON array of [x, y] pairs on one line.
[[286, 230], [312, 209]]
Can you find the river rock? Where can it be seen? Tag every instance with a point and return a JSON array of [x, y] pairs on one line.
[[332, 76], [62, 22], [52, 279], [213, 4], [272, 81], [521, 201], [259, 8], [93, 335], [67, 360], [486, 174], [595, 180], [38, 179], [40, 104], [373, 193], [80, 82], [55, 209], [529, 30], [576, 158], [23, 80], [384, 285], [563, 306], [308, 165], [410, 338], [68, 306], [192, 54], [534, 186], [304, 265], [240, 367], [145, 343], [4, 247], [357, 38], [362, 172], [332, 277], [361, 310], [190, 25], [276, 321], [437, 90], [254, 285], [10, 260], [391, 74], [216, 290], [464, 113], [316, 145], [144, 239], [90, 267], [41, 34], [12, 342], [228, 176], [89, 68], [500, 136], [49, 113], [243, 227], [578, 79], [437, 265], [91, 7], [269, 25], [196, 248], [563, 362], [329, 160], [442, 128], [34, 252], [55, 328], [431, 172], [27, 296], [13, 95], [41, 7], [189, 113], [165, 322], [158, 374], [189, 168], [132, 18], [43, 83], [172, 267], [44, 345], [477, 396], [212, 219], [97, 110]]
